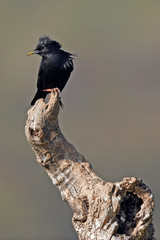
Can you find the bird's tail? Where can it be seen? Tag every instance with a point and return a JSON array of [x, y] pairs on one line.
[[39, 94]]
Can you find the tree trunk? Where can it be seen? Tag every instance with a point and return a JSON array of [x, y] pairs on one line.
[[102, 210]]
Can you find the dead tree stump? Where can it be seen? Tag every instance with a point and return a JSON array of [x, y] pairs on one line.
[[102, 210]]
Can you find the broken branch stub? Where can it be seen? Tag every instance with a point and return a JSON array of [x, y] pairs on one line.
[[101, 210]]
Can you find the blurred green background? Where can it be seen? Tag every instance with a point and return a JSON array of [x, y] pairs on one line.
[[112, 103]]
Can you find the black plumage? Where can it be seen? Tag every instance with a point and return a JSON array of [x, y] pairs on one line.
[[55, 67]]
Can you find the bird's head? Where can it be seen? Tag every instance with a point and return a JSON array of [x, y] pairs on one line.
[[45, 46]]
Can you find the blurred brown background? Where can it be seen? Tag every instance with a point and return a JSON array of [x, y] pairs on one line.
[[112, 103]]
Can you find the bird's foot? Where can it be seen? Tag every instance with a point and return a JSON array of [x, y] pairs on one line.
[[51, 90]]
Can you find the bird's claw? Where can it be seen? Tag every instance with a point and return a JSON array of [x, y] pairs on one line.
[[60, 103], [53, 90]]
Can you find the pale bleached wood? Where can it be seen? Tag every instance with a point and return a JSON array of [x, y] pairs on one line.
[[101, 210]]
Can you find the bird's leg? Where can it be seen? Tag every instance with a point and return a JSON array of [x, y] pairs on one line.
[[51, 89]]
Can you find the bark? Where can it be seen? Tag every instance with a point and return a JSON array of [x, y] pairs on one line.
[[101, 210]]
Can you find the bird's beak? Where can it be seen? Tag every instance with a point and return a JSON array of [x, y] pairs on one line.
[[33, 52]]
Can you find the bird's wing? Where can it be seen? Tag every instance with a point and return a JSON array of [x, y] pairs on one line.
[[63, 72], [68, 65]]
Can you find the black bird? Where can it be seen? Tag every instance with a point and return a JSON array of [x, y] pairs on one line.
[[55, 67]]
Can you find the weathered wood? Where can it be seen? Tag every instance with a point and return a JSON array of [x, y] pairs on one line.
[[102, 210]]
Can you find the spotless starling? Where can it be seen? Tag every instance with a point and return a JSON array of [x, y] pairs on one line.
[[55, 67]]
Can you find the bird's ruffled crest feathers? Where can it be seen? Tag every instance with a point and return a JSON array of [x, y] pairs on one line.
[[46, 40]]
